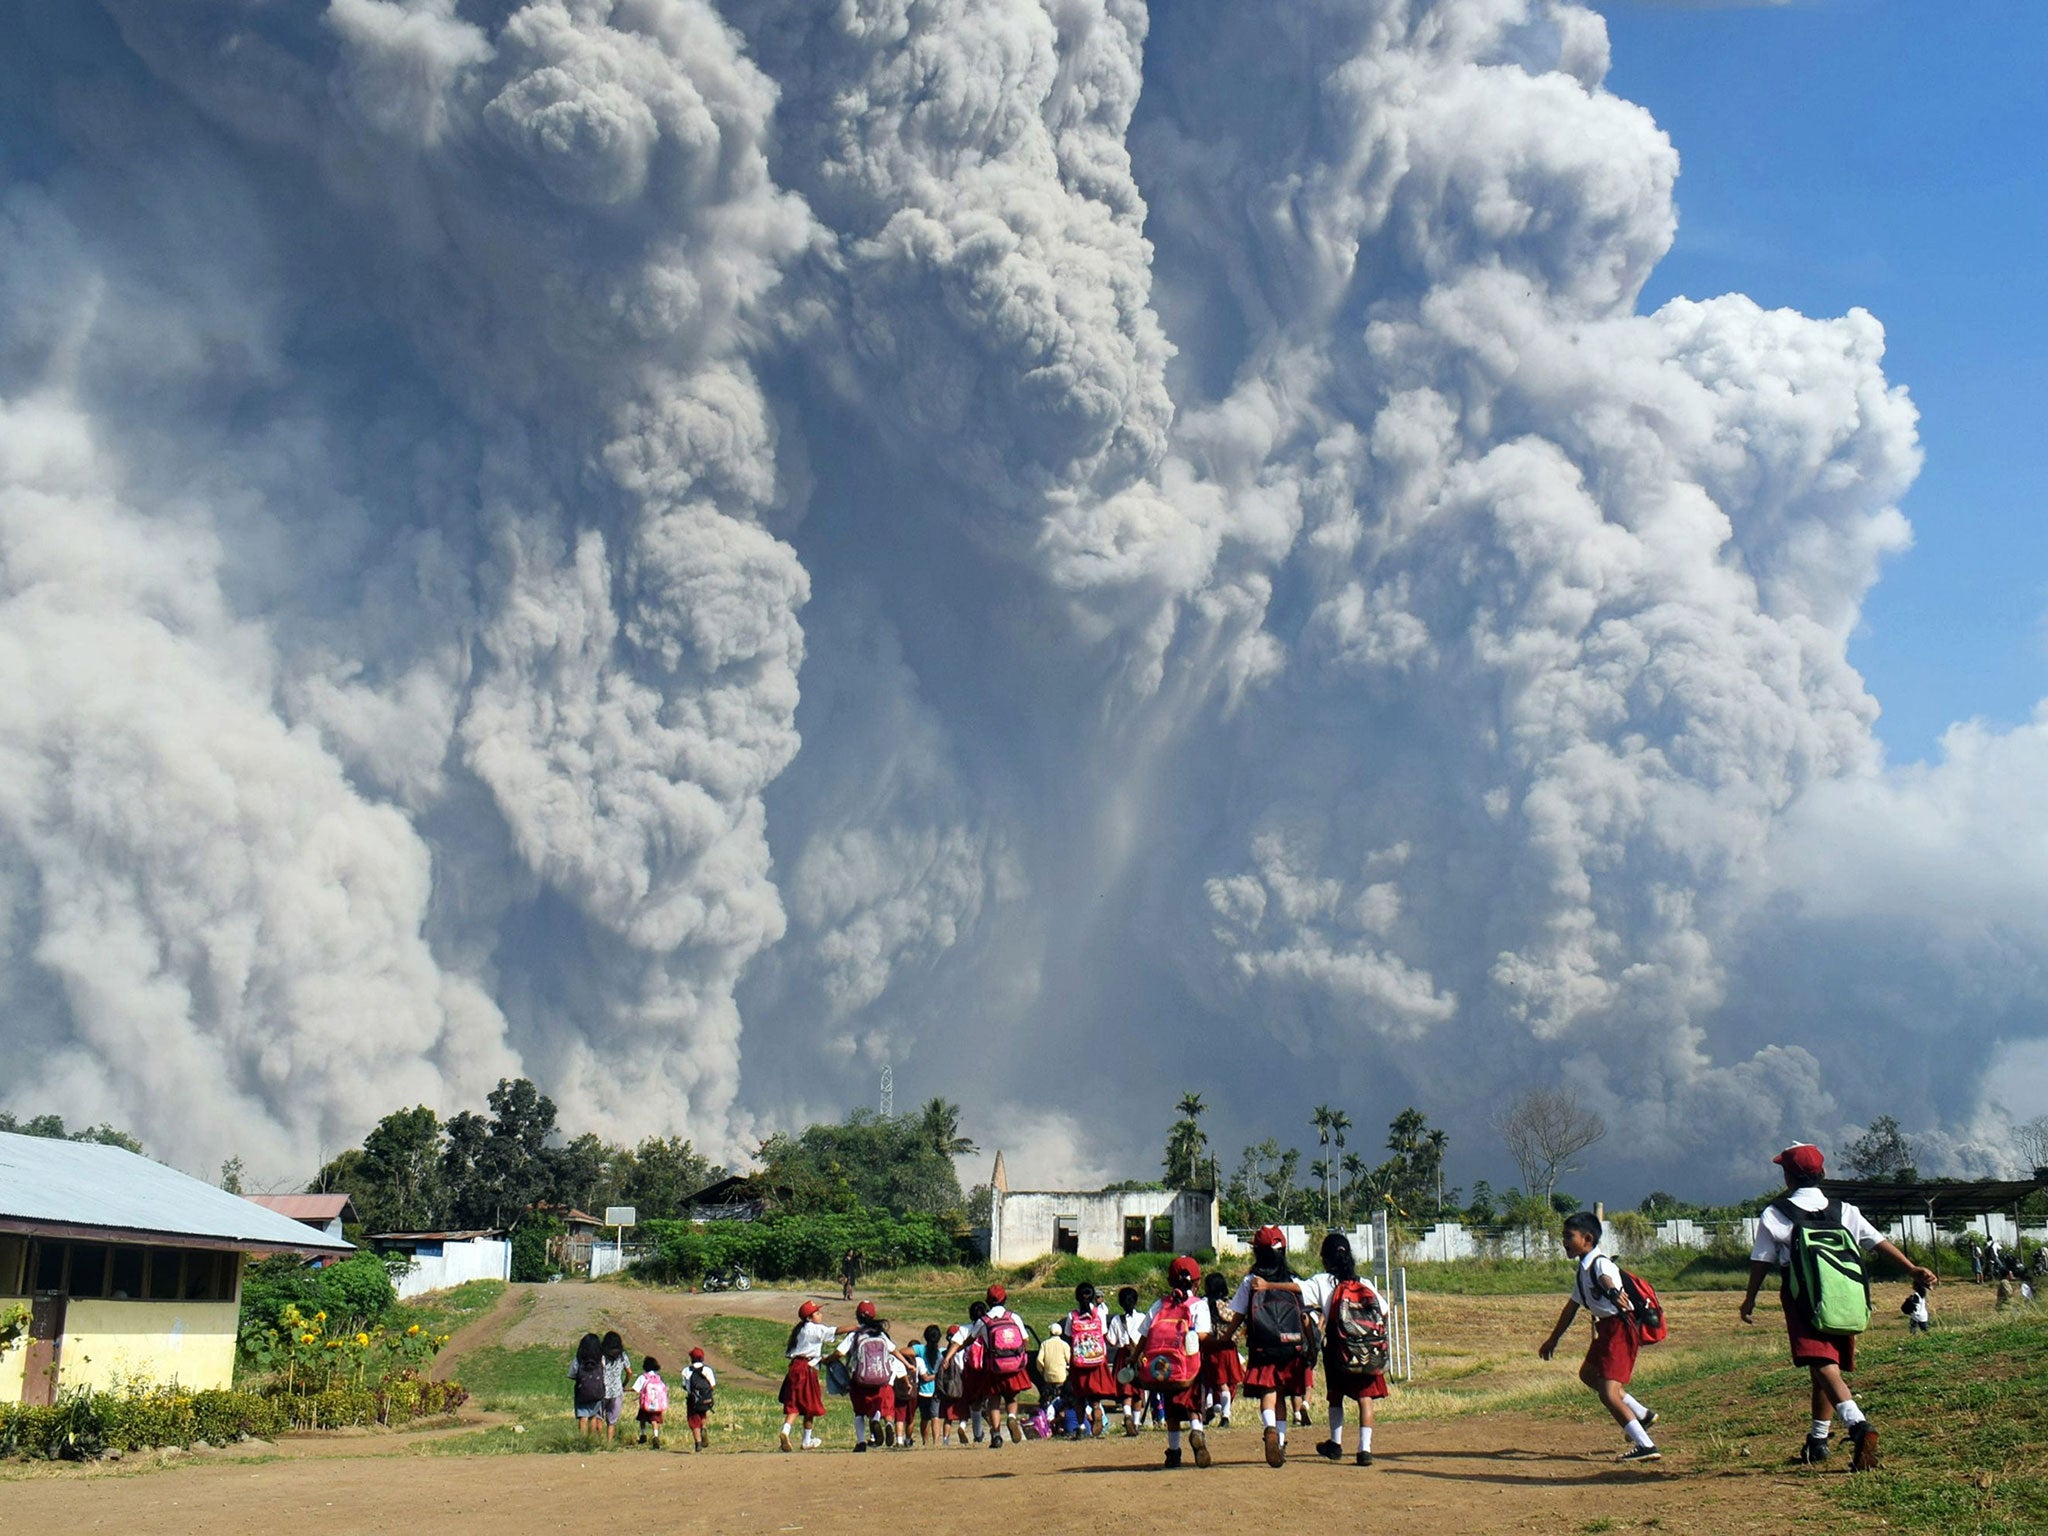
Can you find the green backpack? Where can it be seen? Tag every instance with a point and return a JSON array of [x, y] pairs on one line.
[[1826, 1275]]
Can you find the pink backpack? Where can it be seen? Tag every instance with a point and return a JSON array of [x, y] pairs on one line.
[[653, 1394], [1008, 1352], [871, 1354], [1091, 1345]]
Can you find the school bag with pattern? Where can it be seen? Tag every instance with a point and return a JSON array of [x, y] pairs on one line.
[[871, 1355], [1008, 1351], [1166, 1357], [653, 1393], [1357, 1336], [1276, 1328], [1826, 1275], [698, 1394], [1084, 1332]]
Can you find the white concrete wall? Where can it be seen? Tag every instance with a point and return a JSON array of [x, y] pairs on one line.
[[1363, 1248], [482, 1258], [1022, 1222]]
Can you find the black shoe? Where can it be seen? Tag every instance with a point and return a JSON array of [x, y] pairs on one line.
[[1198, 1442], [1865, 1437], [1172, 1459], [1647, 1417], [1641, 1453], [1812, 1451], [859, 1446], [1365, 1458], [1330, 1450]]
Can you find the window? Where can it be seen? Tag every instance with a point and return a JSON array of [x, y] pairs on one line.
[[88, 1270], [13, 1264], [1134, 1234], [127, 1277], [1162, 1234], [1066, 1234], [164, 1264], [202, 1276], [49, 1266]]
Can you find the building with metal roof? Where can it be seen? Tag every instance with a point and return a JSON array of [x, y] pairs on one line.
[[323, 1213], [127, 1269]]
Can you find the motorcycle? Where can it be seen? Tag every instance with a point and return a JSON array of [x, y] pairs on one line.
[[734, 1279]]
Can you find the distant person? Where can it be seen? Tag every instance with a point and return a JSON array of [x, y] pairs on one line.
[[849, 1272], [1055, 1365], [1801, 1220], [700, 1396], [802, 1395], [1918, 1318], [616, 1368], [904, 1386], [1610, 1363], [1976, 1265], [1222, 1365], [1005, 1365], [1126, 1338], [928, 1350], [586, 1382], [651, 1393]]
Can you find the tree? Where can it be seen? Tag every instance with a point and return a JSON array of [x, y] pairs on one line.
[[940, 1123], [1545, 1128], [1186, 1150], [1412, 1177], [1882, 1152], [1320, 1118], [1357, 1179], [1339, 1124], [665, 1172], [397, 1184], [1480, 1211], [51, 1127], [893, 1165], [462, 1177], [2032, 1141], [231, 1176]]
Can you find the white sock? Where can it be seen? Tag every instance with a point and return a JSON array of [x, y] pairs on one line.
[[1822, 1428], [860, 1430], [1223, 1402], [1365, 1437], [1337, 1422], [1850, 1415], [1173, 1439], [1637, 1435], [1269, 1418], [1633, 1406]]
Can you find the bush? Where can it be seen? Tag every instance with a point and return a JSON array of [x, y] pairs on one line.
[[531, 1261], [794, 1247], [356, 1293]]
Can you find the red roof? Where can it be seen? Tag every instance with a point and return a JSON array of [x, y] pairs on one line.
[[322, 1208]]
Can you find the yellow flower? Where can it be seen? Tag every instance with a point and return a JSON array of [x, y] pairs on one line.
[[362, 1340], [319, 1317], [415, 1328]]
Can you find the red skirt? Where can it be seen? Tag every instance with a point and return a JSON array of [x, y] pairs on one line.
[[1182, 1399], [1222, 1367], [801, 1392], [1093, 1381], [1809, 1345], [872, 1402], [1293, 1379], [1342, 1385], [1012, 1385], [1612, 1354]]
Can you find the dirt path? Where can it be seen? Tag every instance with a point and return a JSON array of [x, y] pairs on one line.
[[1486, 1473]]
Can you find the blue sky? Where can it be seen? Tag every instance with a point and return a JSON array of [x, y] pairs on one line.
[[1887, 154]]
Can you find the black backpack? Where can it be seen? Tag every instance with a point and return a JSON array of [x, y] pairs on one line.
[[1276, 1328], [589, 1381], [698, 1394]]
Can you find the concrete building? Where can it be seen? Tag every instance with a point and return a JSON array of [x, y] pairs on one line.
[[323, 1213], [1027, 1224], [442, 1259], [128, 1270]]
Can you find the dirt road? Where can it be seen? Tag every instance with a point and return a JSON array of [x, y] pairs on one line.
[[1487, 1473]]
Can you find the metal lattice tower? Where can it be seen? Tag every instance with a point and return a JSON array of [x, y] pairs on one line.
[[888, 1093]]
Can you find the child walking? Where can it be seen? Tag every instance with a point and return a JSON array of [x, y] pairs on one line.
[[1279, 1365], [1091, 1380], [802, 1395], [1825, 1355], [1222, 1366], [700, 1389], [651, 1392], [1610, 1361], [1005, 1365], [1918, 1318], [1126, 1338], [928, 1351], [586, 1381], [1354, 1344], [616, 1369], [1170, 1358], [872, 1360]]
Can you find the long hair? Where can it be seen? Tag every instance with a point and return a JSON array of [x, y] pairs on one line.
[[614, 1347], [1337, 1256], [795, 1332], [1270, 1264], [589, 1351], [1215, 1289]]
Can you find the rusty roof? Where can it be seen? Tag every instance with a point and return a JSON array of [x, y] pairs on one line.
[[322, 1208]]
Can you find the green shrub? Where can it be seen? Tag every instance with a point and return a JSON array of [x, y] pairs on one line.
[[794, 1247], [355, 1293]]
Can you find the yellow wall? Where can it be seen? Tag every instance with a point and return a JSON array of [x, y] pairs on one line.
[[190, 1342], [13, 1361]]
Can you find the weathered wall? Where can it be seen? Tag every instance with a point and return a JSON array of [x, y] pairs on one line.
[[189, 1342], [483, 1259], [1023, 1221]]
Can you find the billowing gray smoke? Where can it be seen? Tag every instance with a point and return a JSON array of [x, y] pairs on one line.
[[959, 533]]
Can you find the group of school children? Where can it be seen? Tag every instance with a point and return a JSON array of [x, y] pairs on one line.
[[598, 1378], [1176, 1362]]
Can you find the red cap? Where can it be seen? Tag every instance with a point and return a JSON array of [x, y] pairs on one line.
[[997, 1295], [697, 1353], [1184, 1271], [1269, 1237], [865, 1311], [808, 1309], [1802, 1158]]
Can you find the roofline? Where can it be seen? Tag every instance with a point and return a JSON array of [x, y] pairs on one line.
[[75, 1231]]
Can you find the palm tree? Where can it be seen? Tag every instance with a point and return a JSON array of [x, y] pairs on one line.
[[939, 1122], [1190, 1106], [1320, 1119], [1339, 1124], [1354, 1172], [1436, 1142]]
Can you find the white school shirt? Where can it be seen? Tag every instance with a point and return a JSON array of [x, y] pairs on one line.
[[1594, 1278], [845, 1349], [979, 1329], [1319, 1290], [710, 1376], [1127, 1330], [1198, 1324], [1774, 1232], [1241, 1300], [811, 1340]]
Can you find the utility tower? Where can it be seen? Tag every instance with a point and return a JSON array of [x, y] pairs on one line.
[[888, 1093]]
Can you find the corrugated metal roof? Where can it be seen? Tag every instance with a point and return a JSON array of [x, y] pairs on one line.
[[82, 1183], [305, 1207]]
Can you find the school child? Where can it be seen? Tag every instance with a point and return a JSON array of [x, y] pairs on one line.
[[1826, 1355], [1005, 1365], [700, 1389], [904, 1384], [928, 1351], [961, 1376], [1610, 1361], [651, 1392], [1091, 1381], [1169, 1357], [1918, 1319], [1267, 1308], [586, 1380], [1126, 1336], [802, 1395], [869, 1352], [1222, 1366], [1055, 1364], [616, 1369]]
